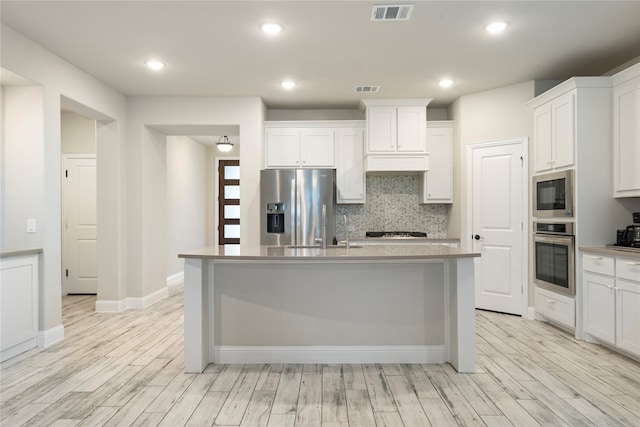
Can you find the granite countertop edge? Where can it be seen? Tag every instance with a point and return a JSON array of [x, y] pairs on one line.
[[8, 253], [335, 254], [620, 251]]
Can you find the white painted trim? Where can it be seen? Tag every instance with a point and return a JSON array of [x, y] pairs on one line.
[[17, 349], [111, 306], [330, 354], [524, 142], [175, 280], [148, 300], [531, 313], [51, 336]]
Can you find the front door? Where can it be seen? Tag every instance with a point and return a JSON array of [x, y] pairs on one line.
[[499, 194], [229, 202], [79, 228]]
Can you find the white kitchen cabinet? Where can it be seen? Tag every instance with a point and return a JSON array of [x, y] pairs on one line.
[[396, 129], [600, 306], [437, 182], [558, 308], [18, 304], [350, 175], [554, 133], [290, 147], [611, 302], [626, 132]]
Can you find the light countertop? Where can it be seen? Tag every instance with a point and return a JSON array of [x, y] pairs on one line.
[[371, 253], [620, 251], [8, 253]]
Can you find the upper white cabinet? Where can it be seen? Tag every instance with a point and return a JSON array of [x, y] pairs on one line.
[[554, 133], [350, 176], [396, 126], [300, 147], [396, 135], [626, 132], [437, 182]]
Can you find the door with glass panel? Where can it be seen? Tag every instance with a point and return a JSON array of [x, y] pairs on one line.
[[229, 202]]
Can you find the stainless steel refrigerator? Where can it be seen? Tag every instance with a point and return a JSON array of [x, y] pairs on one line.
[[291, 206]]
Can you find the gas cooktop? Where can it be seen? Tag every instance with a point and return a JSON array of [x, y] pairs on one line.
[[395, 234]]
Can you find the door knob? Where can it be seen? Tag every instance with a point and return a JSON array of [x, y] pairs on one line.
[[477, 237]]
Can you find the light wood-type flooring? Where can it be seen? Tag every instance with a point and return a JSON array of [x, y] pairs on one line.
[[126, 369]]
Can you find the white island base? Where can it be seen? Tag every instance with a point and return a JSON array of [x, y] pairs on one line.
[[364, 305]]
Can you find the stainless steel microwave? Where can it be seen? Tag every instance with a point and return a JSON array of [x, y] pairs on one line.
[[553, 195]]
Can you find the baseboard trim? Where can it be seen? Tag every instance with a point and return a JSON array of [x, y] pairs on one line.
[[330, 354], [17, 349], [148, 300], [50, 336], [111, 306], [175, 280]]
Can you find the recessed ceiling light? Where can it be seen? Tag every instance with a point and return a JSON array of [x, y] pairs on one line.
[[154, 65], [445, 83], [271, 28], [496, 27], [288, 84]]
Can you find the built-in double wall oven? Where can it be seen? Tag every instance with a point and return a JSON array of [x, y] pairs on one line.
[[554, 257]]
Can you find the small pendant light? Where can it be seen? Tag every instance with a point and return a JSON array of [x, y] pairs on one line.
[[224, 144]]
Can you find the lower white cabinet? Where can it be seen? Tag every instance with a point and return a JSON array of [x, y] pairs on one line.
[[18, 304], [611, 302], [558, 308], [350, 176]]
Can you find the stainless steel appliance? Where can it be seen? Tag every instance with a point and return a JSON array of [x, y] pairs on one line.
[[553, 195], [292, 203], [631, 235], [554, 257]]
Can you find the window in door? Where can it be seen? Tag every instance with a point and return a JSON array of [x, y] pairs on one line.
[[229, 203]]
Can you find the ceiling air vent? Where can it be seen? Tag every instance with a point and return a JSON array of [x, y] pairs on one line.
[[367, 88], [392, 12]]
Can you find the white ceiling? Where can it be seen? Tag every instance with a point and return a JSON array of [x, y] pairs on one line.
[[215, 48]]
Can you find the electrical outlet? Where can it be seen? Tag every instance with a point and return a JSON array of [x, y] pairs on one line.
[[31, 225]]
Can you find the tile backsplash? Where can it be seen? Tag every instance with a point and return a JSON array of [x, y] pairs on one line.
[[392, 205]]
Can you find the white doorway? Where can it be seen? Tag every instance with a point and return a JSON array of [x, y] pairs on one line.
[[79, 225], [497, 219]]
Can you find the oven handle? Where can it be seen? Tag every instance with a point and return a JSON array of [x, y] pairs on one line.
[[553, 238]]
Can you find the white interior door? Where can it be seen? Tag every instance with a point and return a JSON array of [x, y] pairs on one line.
[[498, 213], [80, 261]]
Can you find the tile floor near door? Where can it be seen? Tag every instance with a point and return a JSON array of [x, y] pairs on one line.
[[127, 369]]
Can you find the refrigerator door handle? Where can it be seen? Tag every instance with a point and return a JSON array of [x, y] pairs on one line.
[[293, 213]]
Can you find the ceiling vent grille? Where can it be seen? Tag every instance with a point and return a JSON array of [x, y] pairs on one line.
[[392, 12], [367, 88]]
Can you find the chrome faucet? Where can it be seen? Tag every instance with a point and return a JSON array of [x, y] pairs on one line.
[[324, 226], [346, 232]]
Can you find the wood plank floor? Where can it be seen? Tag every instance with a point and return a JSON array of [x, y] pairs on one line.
[[127, 370]]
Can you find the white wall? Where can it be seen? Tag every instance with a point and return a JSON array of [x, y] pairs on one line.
[[31, 61], [78, 134], [494, 115], [186, 198], [22, 167], [146, 152]]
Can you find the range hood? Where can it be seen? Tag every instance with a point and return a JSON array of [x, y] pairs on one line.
[[396, 163]]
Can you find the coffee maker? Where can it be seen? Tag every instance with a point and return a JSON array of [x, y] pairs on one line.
[[631, 235]]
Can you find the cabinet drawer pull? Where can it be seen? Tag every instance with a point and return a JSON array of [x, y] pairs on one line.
[[550, 301], [597, 258], [634, 264]]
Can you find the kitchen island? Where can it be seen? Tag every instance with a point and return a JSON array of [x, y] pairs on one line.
[[371, 304]]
